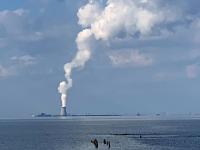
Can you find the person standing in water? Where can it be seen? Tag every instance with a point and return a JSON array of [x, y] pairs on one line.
[[95, 142]]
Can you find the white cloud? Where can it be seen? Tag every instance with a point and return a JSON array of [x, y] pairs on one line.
[[16, 64], [5, 71], [6, 13], [19, 12], [25, 60], [130, 58], [13, 20], [17, 25], [192, 71]]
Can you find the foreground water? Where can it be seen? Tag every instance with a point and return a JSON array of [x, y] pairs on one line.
[[76, 134]]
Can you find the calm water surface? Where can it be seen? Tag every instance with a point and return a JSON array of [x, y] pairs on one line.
[[76, 134]]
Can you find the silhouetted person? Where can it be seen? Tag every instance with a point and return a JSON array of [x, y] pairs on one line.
[[95, 142], [109, 144], [140, 136], [104, 141]]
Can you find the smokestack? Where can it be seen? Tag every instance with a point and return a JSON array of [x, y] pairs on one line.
[[63, 111]]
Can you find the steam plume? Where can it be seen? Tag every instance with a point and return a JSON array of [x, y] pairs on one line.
[[82, 56], [118, 16]]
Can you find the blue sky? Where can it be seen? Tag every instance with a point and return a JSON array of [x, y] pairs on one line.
[[147, 63]]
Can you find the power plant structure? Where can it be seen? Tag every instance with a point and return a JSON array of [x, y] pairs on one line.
[[63, 111]]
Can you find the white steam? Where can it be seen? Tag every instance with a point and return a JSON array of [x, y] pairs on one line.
[[82, 56], [118, 16]]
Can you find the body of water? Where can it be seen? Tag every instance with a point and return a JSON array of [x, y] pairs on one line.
[[76, 134]]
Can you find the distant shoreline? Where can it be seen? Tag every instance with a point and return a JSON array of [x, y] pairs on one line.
[[109, 117]]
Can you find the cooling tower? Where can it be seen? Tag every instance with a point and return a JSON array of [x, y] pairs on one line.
[[63, 111]]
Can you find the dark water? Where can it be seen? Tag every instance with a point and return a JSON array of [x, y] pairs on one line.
[[75, 134]]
